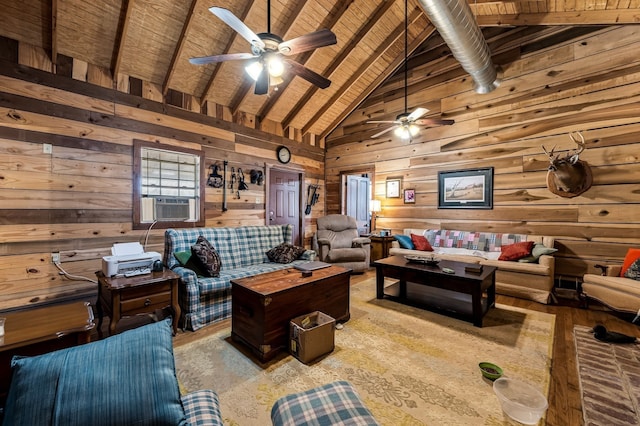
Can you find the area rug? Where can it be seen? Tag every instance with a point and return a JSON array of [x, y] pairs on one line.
[[410, 366], [609, 380]]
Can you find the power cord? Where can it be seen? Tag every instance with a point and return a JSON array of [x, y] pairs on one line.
[[73, 277]]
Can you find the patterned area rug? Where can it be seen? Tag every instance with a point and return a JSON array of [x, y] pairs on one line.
[[410, 366], [609, 380]]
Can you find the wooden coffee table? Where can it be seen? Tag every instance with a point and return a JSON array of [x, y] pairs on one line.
[[459, 295], [263, 305]]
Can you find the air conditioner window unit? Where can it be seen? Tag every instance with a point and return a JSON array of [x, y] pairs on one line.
[[171, 208]]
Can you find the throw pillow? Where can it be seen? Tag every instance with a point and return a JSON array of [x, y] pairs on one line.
[[632, 255], [516, 251], [421, 243], [60, 388], [538, 250], [207, 256], [404, 241], [285, 253], [633, 271], [186, 259]]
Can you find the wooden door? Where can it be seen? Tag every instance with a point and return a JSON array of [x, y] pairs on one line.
[[284, 201]]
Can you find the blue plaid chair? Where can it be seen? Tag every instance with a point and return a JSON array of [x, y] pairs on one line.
[[242, 252], [332, 404]]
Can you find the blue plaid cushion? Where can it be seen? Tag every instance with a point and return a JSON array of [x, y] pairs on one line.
[[333, 404], [202, 408], [65, 387]]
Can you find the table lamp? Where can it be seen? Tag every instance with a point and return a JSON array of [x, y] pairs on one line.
[[375, 207]]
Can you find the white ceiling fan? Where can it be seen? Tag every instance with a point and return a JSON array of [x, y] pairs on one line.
[[407, 125], [267, 64]]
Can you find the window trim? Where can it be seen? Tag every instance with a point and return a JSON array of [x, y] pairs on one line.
[[137, 185]]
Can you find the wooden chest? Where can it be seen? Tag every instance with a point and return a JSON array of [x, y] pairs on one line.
[[263, 305]]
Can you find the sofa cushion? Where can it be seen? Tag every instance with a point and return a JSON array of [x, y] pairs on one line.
[[255, 241], [125, 379], [208, 257], [186, 259], [483, 241], [516, 251], [285, 253], [632, 255], [537, 251], [421, 243], [633, 271], [404, 241]]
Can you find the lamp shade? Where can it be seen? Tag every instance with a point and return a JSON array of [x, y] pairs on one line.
[[375, 206]]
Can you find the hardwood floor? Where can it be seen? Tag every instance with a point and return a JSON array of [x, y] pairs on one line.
[[564, 392]]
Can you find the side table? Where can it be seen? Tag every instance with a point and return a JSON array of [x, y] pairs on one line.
[[143, 294], [35, 331], [380, 247]]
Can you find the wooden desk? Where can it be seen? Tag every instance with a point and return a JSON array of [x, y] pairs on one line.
[[37, 331], [380, 247], [142, 294]]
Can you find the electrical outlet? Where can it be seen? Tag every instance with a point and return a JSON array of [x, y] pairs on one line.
[[55, 257], [258, 200], [47, 148]]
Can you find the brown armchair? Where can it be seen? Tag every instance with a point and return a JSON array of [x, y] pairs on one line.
[[337, 241]]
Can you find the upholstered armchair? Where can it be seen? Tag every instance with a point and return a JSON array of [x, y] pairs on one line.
[[618, 293], [337, 241]]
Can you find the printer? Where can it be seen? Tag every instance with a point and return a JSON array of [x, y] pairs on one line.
[[130, 259]]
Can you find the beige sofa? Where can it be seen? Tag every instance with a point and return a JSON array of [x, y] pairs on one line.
[[533, 281], [619, 293]]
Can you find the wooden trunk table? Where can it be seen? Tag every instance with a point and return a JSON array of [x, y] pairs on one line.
[[36, 331], [263, 305], [461, 294]]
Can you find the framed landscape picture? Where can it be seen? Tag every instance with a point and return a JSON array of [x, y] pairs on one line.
[[393, 187], [466, 189], [409, 196]]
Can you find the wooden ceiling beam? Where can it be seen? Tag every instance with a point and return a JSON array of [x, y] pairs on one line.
[[344, 54], [329, 22], [242, 93], [234, 36], [394, 37], [119, 45], [178, 51], [581, 17]]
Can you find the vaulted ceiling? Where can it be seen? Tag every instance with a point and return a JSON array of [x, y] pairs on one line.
[[153, 41]]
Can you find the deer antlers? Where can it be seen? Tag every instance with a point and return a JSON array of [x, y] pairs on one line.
[[570, 157]]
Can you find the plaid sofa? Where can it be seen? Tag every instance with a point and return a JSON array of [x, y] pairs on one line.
[[242, 253], [533, 281]]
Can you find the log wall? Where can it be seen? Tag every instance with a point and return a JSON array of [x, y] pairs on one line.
[[554, 81], [77, 199]]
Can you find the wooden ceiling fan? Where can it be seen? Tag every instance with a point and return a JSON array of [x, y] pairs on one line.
[[406, 125], [268, 57]]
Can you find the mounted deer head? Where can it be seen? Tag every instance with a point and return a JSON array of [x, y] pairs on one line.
[[568, 176]]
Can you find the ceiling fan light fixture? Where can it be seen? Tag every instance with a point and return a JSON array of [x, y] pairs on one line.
[[403, 132], [254, 69], [275, 66], [413, 130]]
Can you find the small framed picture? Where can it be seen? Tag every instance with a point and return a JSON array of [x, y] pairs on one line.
[[393, 187], [409, 196]]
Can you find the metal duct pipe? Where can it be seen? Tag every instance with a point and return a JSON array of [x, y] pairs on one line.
[[456, 24]]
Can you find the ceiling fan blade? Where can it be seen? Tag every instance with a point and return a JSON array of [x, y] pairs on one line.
[[419, 112], [308, 42], [383, 121], [262, 83], [311, 76], [231, 20], [383, 132], [220, 58], [433, 122]]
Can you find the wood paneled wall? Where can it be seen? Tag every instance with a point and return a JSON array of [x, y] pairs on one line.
[[554, 81], [77, 199]]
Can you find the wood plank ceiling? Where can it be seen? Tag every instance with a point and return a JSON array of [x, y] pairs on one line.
[[153, 40]]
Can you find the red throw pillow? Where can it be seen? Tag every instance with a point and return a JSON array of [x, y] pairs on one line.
[[632, 255], [421, 243], [516, 251]]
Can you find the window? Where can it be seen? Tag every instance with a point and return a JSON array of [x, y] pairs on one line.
[[167, 186]]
